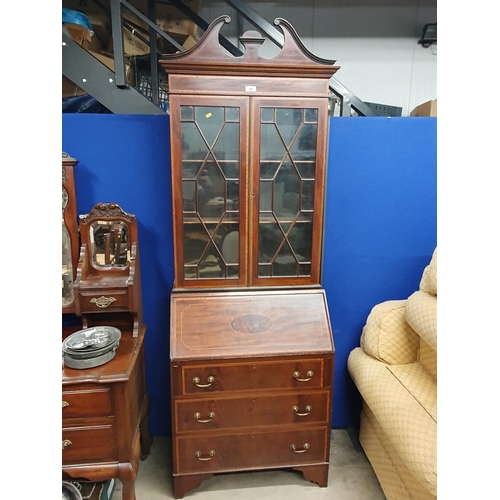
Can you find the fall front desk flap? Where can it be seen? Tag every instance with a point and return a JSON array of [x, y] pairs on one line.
[[227, 324]]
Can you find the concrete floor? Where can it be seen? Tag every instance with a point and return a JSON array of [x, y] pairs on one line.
[[351, 477]]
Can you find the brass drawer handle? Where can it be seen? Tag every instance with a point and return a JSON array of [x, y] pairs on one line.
[[210, 381], [103, 302], [307, 409], [309, 374], [305, 447], [211, 453], [64, 404], [198, 418], [66, 443]]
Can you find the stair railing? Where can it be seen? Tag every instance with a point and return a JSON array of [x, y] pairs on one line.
[[349, 104]]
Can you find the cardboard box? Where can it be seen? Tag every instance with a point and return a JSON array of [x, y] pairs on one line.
[[428, 108], [84, 37], [101, 25]]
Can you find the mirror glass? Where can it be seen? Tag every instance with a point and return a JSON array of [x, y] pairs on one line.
[[67, 265], [109, 244]]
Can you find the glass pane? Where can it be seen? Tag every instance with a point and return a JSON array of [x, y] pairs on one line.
[[304, 148], [232, 272], [230, 248], [193, 145], [210, 265], [285, 263], [311, 115], [195, 242], [266, 196], [288, 122], [271, 144], [307, 195], [300, 239], [187, 113], [227, 146], [268, 170], [264, 271], [270, 238], [210, 191], [229, 168], [188, 199], [190, 169], [233, 196], [210, 121], [306, 170], [267, 115], [305, 270], [232, 114]]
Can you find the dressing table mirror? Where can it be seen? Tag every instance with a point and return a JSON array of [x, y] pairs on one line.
[[108, 279]]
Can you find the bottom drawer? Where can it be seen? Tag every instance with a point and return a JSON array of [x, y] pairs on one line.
[[248, 451], [88, 443]]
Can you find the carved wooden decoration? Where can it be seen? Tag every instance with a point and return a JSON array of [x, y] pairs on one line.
[[208, 58]]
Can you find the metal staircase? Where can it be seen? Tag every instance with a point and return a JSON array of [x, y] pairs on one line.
[[111, 89]]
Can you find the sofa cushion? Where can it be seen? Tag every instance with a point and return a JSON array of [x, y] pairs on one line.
[[421, 314], [387, 336], [415, 379], [428, 283]]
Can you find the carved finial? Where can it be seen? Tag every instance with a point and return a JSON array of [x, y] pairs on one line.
[[106, 211], [252, 40]]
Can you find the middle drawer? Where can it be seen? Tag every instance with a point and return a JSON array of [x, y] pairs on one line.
[[251, 411]]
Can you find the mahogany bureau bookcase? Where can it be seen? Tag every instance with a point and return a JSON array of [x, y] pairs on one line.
[[104, 408], [251, 348]]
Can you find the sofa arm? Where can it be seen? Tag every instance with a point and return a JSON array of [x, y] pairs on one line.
[[387, 336]]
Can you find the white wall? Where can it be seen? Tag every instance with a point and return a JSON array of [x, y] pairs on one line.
[[373, 41]]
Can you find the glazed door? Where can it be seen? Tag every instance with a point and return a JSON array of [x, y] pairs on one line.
[[288, 165], [209, 138]]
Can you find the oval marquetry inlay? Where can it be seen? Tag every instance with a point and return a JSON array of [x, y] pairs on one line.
[[251, 323]]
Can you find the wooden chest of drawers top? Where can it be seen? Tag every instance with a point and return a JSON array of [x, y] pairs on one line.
[[239, 324]]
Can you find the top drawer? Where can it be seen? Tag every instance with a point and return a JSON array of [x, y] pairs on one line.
[[83, 403], [306, 373]]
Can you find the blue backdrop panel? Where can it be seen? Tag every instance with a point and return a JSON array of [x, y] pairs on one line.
[[126, 159], [380, 228], [380, 223]]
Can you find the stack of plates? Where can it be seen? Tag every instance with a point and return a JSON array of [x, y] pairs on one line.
[[91, 347]]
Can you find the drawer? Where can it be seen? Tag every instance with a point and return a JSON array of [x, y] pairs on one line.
[[259, 375], [83, 403], [251, 450], [107, 301], [251, 411], [89, 443]]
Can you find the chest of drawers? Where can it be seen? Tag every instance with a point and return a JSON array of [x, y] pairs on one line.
[[104, 417], [251, 380]]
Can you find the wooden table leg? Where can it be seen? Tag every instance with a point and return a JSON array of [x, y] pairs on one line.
[[127, 476], [183, 484]]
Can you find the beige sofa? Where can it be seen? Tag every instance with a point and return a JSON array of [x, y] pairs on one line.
[[395, 371]]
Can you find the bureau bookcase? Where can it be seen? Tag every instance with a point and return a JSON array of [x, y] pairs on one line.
[[251, 348]]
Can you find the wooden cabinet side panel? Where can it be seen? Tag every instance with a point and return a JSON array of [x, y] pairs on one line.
[[128, 399]]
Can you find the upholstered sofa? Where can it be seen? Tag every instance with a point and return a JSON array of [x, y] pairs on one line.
[[395, 371]]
